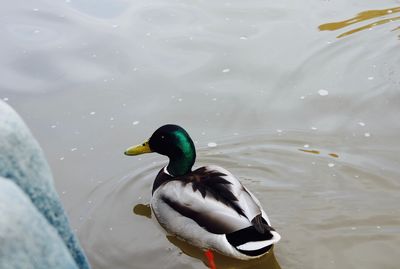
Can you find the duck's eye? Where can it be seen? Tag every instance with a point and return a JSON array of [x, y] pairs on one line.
[[144, 144]]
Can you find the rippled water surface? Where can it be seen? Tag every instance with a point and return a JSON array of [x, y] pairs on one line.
[[299, 99]]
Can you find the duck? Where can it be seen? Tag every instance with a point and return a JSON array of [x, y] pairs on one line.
[[207, 207]]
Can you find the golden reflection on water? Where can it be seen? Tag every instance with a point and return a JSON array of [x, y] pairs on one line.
[[313, 151], [366, 15], [268, 261], [310, 151]]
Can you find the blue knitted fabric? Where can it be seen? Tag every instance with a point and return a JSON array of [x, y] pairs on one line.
[[22, 162], [27, 240]]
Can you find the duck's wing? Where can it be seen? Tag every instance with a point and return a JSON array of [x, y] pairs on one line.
[[215, 200]]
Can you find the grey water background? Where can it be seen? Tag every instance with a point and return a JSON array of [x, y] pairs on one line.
[[308, 121]]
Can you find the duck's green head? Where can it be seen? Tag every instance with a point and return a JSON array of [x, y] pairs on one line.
[[172, 141]]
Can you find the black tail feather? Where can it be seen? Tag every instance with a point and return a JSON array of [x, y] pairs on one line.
[[259, 231], [261, 225]]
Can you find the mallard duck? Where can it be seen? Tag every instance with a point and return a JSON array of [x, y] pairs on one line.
[[207, 207]]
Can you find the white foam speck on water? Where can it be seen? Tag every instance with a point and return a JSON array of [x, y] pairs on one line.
[[314, 128], [115, 26], [35, 9], [92, 113], [53, 126], [378, 227], [74, 149], [302, 97], [306, 146], [111, 228], [226, 70], [62, 158], [354, 228], [112, 118], [279, 130], [36, 31], [180, 99], [370, 78], [243, 38], [367, 134], [214, 99], [5, 99], [361, 123], [212, 144], [136, 122], [331, 164], [323, 92]]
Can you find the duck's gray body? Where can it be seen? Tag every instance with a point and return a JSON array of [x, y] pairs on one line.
[[211, 209]]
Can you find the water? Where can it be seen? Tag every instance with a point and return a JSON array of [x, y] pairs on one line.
[[304, 112]]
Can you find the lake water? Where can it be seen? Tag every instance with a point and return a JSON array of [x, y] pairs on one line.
[[299, 99]]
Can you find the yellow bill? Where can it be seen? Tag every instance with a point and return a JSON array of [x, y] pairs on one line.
[[139, 149]]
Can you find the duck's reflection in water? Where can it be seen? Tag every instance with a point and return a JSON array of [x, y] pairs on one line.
[[268, 261], [142, 210]]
